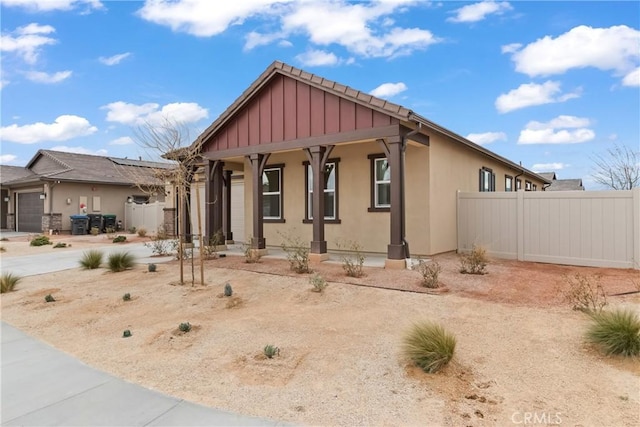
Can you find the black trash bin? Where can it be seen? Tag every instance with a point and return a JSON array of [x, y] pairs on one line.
[[79, 224], [95, 221], [108, 222]]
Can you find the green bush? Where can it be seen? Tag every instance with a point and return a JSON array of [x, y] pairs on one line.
[[616, 332], [152, 268], [318, 282], [49, 298], [184, 327], [228, 290], [126, 297], [126, 333], [59, 245], [40, 241], [91, 259], [297, 252], [474, 262], [270, 351], [429, 272], [120, 239], [429, 346], [120, 261], [8, 282]]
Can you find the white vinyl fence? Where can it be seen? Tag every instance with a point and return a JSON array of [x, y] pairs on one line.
[[149, 216], [589, 228]]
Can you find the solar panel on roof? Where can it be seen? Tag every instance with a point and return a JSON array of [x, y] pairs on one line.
[[140, 163]]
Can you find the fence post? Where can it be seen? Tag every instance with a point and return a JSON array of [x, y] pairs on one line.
[[520, 224], [635, 212]]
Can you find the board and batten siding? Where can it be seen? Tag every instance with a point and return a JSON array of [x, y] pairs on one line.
[[588, 228]]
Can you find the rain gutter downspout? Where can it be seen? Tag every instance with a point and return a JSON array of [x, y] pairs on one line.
[[407, 253], [515, 178]]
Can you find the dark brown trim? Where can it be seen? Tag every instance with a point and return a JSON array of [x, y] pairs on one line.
[[372, 183], [324, 140], [279, 166], [512, 183], [257, 167], [226, 203]]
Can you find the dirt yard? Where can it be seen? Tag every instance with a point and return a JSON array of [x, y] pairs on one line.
[[520, 351]]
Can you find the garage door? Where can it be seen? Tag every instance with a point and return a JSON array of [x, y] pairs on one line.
[[29, 214], [237, 210]]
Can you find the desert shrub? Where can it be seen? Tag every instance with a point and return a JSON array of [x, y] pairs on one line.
[[182, 253], [142, 232], [159, 246], [184, 327], [126, 333], [296, 251], [270, 351], [91, 259], [4, 239], [8, 282], [210, 247], [352, 259], [250, 256], [616, 332], [3, 249], [49, 298], [474, 262], [126, 297], [95, 231], [429, 346], [59, 245], [120, 261], [131, 230], [119, 239], [152, 268], [429, 272], [228, 290], [584, 292], [40, 241], [318, 282]]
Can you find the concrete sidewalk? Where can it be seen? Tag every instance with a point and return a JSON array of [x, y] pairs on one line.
[[42, 386]]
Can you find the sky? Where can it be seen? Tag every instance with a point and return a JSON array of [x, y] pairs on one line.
[[550, 84]]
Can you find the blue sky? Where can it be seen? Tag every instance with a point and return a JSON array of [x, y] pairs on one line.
[[549, 84]]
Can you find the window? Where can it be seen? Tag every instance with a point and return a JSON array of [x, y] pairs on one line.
[[535, 187], [487, 180], [518, 184], [508, 183], [527, 186], [330, 191], [272, 193], [380, 183]]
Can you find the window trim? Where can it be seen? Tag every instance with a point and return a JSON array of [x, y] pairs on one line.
[[279, 167], [307, 215], [484, 172], [508, 178], [372, 183], [534, 187], [527, 185], [518, 184]]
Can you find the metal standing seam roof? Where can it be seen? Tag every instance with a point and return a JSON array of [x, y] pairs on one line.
[[342, 91]]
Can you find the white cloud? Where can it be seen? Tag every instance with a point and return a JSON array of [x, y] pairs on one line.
[[3, 83], [314, 58], [132, 114], [124, 140], [614, 48], [115, 59], [388, 90], [42, 77], [27, 41], [560, 130], [511, 48], [363, 28], [632, 79], [7, 158], [530, 94], [79, 150], [49, 5], [548, 167], [487, 137], [64, 128], [479, 11]]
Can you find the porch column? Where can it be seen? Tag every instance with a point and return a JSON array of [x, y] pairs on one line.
[[213, 198], [317, 159], [183, 213], [226, 204], [396, 250], [258, 161]]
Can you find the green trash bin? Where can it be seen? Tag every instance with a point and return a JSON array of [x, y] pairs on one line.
[[108, 221]]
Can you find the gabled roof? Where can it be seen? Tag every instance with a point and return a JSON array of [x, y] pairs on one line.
[[566, 185], [13, 173], [389, 108], [90, 168], [549, 176]]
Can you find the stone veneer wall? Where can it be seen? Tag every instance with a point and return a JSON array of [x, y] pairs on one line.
[[170, 221], [11, 221], [52, 222]]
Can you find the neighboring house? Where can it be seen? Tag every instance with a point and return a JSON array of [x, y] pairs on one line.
[[55, 185], [330, 163], [561, 184]]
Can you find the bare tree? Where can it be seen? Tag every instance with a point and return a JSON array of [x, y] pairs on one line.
[[618, 168]]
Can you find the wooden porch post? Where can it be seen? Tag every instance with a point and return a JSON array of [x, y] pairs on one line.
[[258, 161], [226, 203], [318, 158], [213, 197], [396, 250]]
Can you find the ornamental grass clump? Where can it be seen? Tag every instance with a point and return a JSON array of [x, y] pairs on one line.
[[184, 327], [8, 282], [91, 259], [270, 351], [120, 261], [616, 332], [429, 346]]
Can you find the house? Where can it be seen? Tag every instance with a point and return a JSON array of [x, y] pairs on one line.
[[330, 163], [561, 184], [55, 185]]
